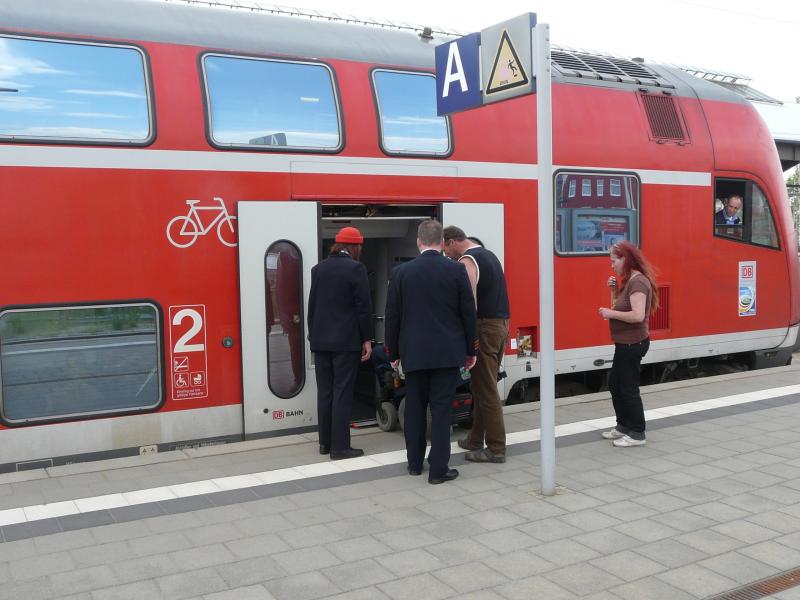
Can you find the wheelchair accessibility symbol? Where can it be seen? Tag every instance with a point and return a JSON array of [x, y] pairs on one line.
[[181, 380]]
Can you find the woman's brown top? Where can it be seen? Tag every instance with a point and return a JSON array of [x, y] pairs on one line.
[[631, 333]]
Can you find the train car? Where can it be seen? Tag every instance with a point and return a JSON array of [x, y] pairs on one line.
[[171, 172]]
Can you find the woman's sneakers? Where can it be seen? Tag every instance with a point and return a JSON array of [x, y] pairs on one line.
[[622, 440], [613, 434], [627, 441]]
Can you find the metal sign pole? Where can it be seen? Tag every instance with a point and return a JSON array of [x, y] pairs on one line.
[[544, 159], [496, 57]]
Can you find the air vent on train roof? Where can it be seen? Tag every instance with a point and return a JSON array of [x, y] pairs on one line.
[[664, 118], [604, 67]]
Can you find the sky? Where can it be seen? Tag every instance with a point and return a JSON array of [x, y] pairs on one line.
[[756, 39]]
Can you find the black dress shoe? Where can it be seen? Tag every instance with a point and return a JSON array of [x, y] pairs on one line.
[[346, 453], [323, 449], [448, 475], [413, 471]]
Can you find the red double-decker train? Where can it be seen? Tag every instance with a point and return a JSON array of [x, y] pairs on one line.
[[170, 174]]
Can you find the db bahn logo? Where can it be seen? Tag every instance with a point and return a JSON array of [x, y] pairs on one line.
[[279, 414]]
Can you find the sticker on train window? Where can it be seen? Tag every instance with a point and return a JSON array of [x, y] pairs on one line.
[[188, 360]]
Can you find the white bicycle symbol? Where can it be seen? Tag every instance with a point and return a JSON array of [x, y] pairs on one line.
[[183, 230]]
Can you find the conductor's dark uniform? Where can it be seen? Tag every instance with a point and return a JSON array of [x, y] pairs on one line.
[[339, 322], [431, 328]]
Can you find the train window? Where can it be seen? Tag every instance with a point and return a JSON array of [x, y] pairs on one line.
[[592, 222], [283, 276], [69, 362], [407, 114], [763, 228], [742, 213], [271, 104], [78, 92]]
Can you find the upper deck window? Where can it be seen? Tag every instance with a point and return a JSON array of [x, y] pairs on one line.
[[76, 92], [271, 104], [407, 114]]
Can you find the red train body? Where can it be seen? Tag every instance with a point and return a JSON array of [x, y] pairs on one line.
[[85, 225]]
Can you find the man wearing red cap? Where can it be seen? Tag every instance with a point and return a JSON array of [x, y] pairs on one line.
[[340, 332]]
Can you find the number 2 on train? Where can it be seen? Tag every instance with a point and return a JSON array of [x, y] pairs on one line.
[[182, 344], [188, 362]]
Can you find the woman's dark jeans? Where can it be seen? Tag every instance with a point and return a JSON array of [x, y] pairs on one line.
[[623, 382]]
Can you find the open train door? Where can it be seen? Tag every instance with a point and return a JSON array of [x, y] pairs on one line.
[[484, 222], [479, 220], [278, 245]]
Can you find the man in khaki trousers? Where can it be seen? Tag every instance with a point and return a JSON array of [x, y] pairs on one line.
[[491, 298]]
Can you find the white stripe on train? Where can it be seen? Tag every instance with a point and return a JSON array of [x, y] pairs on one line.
[[259, 162]]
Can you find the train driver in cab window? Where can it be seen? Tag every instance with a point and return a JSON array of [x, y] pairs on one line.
[[729, 214]]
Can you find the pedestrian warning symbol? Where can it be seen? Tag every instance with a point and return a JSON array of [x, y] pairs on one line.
[[507, 71]]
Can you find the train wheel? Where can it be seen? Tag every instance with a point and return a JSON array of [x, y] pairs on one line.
[[387, 415], [182, 232]]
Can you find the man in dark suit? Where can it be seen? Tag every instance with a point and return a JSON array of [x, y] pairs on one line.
[[340, 332], [431, 328]]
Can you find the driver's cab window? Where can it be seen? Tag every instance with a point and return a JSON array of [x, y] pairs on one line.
[[763, 230], [742, 213]]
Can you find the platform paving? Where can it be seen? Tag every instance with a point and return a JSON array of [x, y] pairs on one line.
[[711, 503]]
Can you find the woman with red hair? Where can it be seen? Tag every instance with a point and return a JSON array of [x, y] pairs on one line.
[[627, 319]]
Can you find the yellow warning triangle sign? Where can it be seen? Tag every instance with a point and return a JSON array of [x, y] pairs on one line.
[[507, 72]]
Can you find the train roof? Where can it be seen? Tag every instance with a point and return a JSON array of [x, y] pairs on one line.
[[219, 27], [260, 32]]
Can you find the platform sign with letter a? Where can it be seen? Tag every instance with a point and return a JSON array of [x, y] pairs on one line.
[[458, 75], [479, 68]]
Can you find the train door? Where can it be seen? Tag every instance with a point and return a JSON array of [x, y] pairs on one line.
[[279, 242], [479, 220], [278, 245]]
